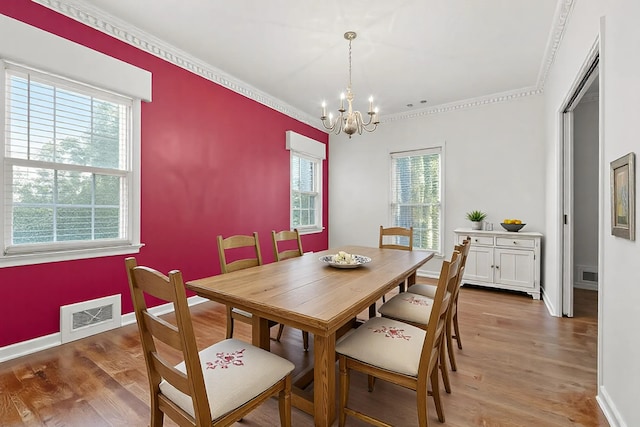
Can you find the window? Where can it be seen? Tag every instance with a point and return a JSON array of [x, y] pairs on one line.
[[67, 178], [416, 196], [305, 197], [306, 182]]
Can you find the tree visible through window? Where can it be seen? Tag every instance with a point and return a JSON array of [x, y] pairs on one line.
[[416, 194], [66, 161]]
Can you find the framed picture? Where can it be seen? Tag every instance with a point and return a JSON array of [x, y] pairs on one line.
[[623, 197]]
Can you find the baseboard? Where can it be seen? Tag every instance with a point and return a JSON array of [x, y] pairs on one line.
[[550, 308], [23, 348], [586, 286], [609, 409]]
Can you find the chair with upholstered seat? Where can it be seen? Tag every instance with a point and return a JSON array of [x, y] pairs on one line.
[[214, 387], [398, 352], [246, 255], [428, 290], [415, 309], [287, 244], [396, 238]]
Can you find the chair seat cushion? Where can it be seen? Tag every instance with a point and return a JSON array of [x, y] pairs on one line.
[[386, 343], [234, 373], [424, 290], [409, 307]]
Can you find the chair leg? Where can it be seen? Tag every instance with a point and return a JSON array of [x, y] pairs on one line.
[[284, 404], [457, 330], [157, 416], [452, 357], [435, 392], [344, 390], [371, 382], [229, 323], [305, 340], [443, 369], [280, 329]]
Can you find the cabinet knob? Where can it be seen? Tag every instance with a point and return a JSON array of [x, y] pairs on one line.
[[497, 267], [515, 243], [475, 240]]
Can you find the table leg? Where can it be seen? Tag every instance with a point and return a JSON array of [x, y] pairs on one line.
[[411, 279], [324, 380], [260, 332]]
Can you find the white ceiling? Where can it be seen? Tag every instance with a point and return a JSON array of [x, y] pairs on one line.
[[441, 51]]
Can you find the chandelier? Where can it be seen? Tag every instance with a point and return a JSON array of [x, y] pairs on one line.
[[349, 121]]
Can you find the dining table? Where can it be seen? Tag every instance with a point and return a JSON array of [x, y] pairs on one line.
[[316, 296]]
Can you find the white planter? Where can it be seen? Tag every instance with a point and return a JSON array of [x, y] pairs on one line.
[[476, 225]]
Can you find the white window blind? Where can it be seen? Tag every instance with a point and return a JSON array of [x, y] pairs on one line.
[[67, 166], [416, 196]]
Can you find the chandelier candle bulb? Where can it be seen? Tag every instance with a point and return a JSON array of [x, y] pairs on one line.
[[324, 109]]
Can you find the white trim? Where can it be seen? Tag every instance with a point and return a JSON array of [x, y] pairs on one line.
[[24, 348], [611, 412], [41, 258], [304, 145]]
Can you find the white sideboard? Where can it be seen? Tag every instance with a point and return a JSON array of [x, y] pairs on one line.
[[503, 259]]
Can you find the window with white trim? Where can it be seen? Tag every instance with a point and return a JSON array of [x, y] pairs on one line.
[[306, 182], [416, 196], [67, 178]]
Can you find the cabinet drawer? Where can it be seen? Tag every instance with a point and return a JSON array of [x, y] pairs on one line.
[[477, 240], [514, 243]]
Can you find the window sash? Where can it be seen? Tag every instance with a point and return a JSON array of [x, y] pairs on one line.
[[416, 196], [85, 169]]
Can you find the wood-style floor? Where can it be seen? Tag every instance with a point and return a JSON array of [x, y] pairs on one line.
[[518, 367]]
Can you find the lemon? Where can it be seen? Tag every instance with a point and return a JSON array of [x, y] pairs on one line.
[[507, 221], [517, 221]]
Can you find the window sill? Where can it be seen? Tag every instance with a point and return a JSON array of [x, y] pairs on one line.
[[310, 231], [68, 255]]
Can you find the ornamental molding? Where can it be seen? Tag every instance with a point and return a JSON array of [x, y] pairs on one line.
[[126, 32]]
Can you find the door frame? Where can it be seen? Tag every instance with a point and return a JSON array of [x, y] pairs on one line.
[[588, 72]]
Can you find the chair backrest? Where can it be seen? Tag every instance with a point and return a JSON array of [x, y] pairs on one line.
[[238, 242], [437, 318], [179, 336], [288, 237], [397, 235], [464, 253]]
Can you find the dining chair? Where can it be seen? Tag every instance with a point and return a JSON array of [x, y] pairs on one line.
[[428, 289], [396, 238], [398, 352], [246, 251], [216, 386], [287, 244], [415, 309]]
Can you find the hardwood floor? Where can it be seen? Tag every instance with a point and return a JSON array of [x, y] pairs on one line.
[[518, 367]]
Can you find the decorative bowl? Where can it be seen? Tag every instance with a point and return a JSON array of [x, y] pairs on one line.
[[512, 227], [359, 260]]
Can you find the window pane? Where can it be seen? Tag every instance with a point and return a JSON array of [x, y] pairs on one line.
[[63, 123], [416, 193]]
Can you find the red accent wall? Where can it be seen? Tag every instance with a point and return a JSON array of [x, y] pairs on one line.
[[213, 162]]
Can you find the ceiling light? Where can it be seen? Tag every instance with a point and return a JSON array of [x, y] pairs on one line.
[[350, 121]]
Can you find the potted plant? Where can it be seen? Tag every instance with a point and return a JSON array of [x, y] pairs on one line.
[[476, 218]]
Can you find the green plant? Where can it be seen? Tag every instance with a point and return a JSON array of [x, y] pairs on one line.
[[476, 216]]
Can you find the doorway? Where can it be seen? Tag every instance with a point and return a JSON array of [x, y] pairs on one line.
[[580, 218]]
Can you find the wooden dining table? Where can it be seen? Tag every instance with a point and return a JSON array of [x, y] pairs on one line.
[[311, 295]]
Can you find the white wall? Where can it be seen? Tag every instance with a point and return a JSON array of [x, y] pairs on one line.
[[585, 195], [619, 311], [494, 161]]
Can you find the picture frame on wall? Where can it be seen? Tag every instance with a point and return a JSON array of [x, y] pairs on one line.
[[623, 197]]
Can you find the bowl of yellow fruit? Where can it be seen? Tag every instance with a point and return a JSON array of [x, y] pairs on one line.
[[512, 224]]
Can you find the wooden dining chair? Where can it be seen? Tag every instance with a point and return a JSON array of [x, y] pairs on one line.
[[287, 244], [415, 309], [428, 289], [214, 387], [246, 255], [396, 238], [398, 352]]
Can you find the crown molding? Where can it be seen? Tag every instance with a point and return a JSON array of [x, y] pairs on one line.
[[563, 11], [124, 31], [464, 104]]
